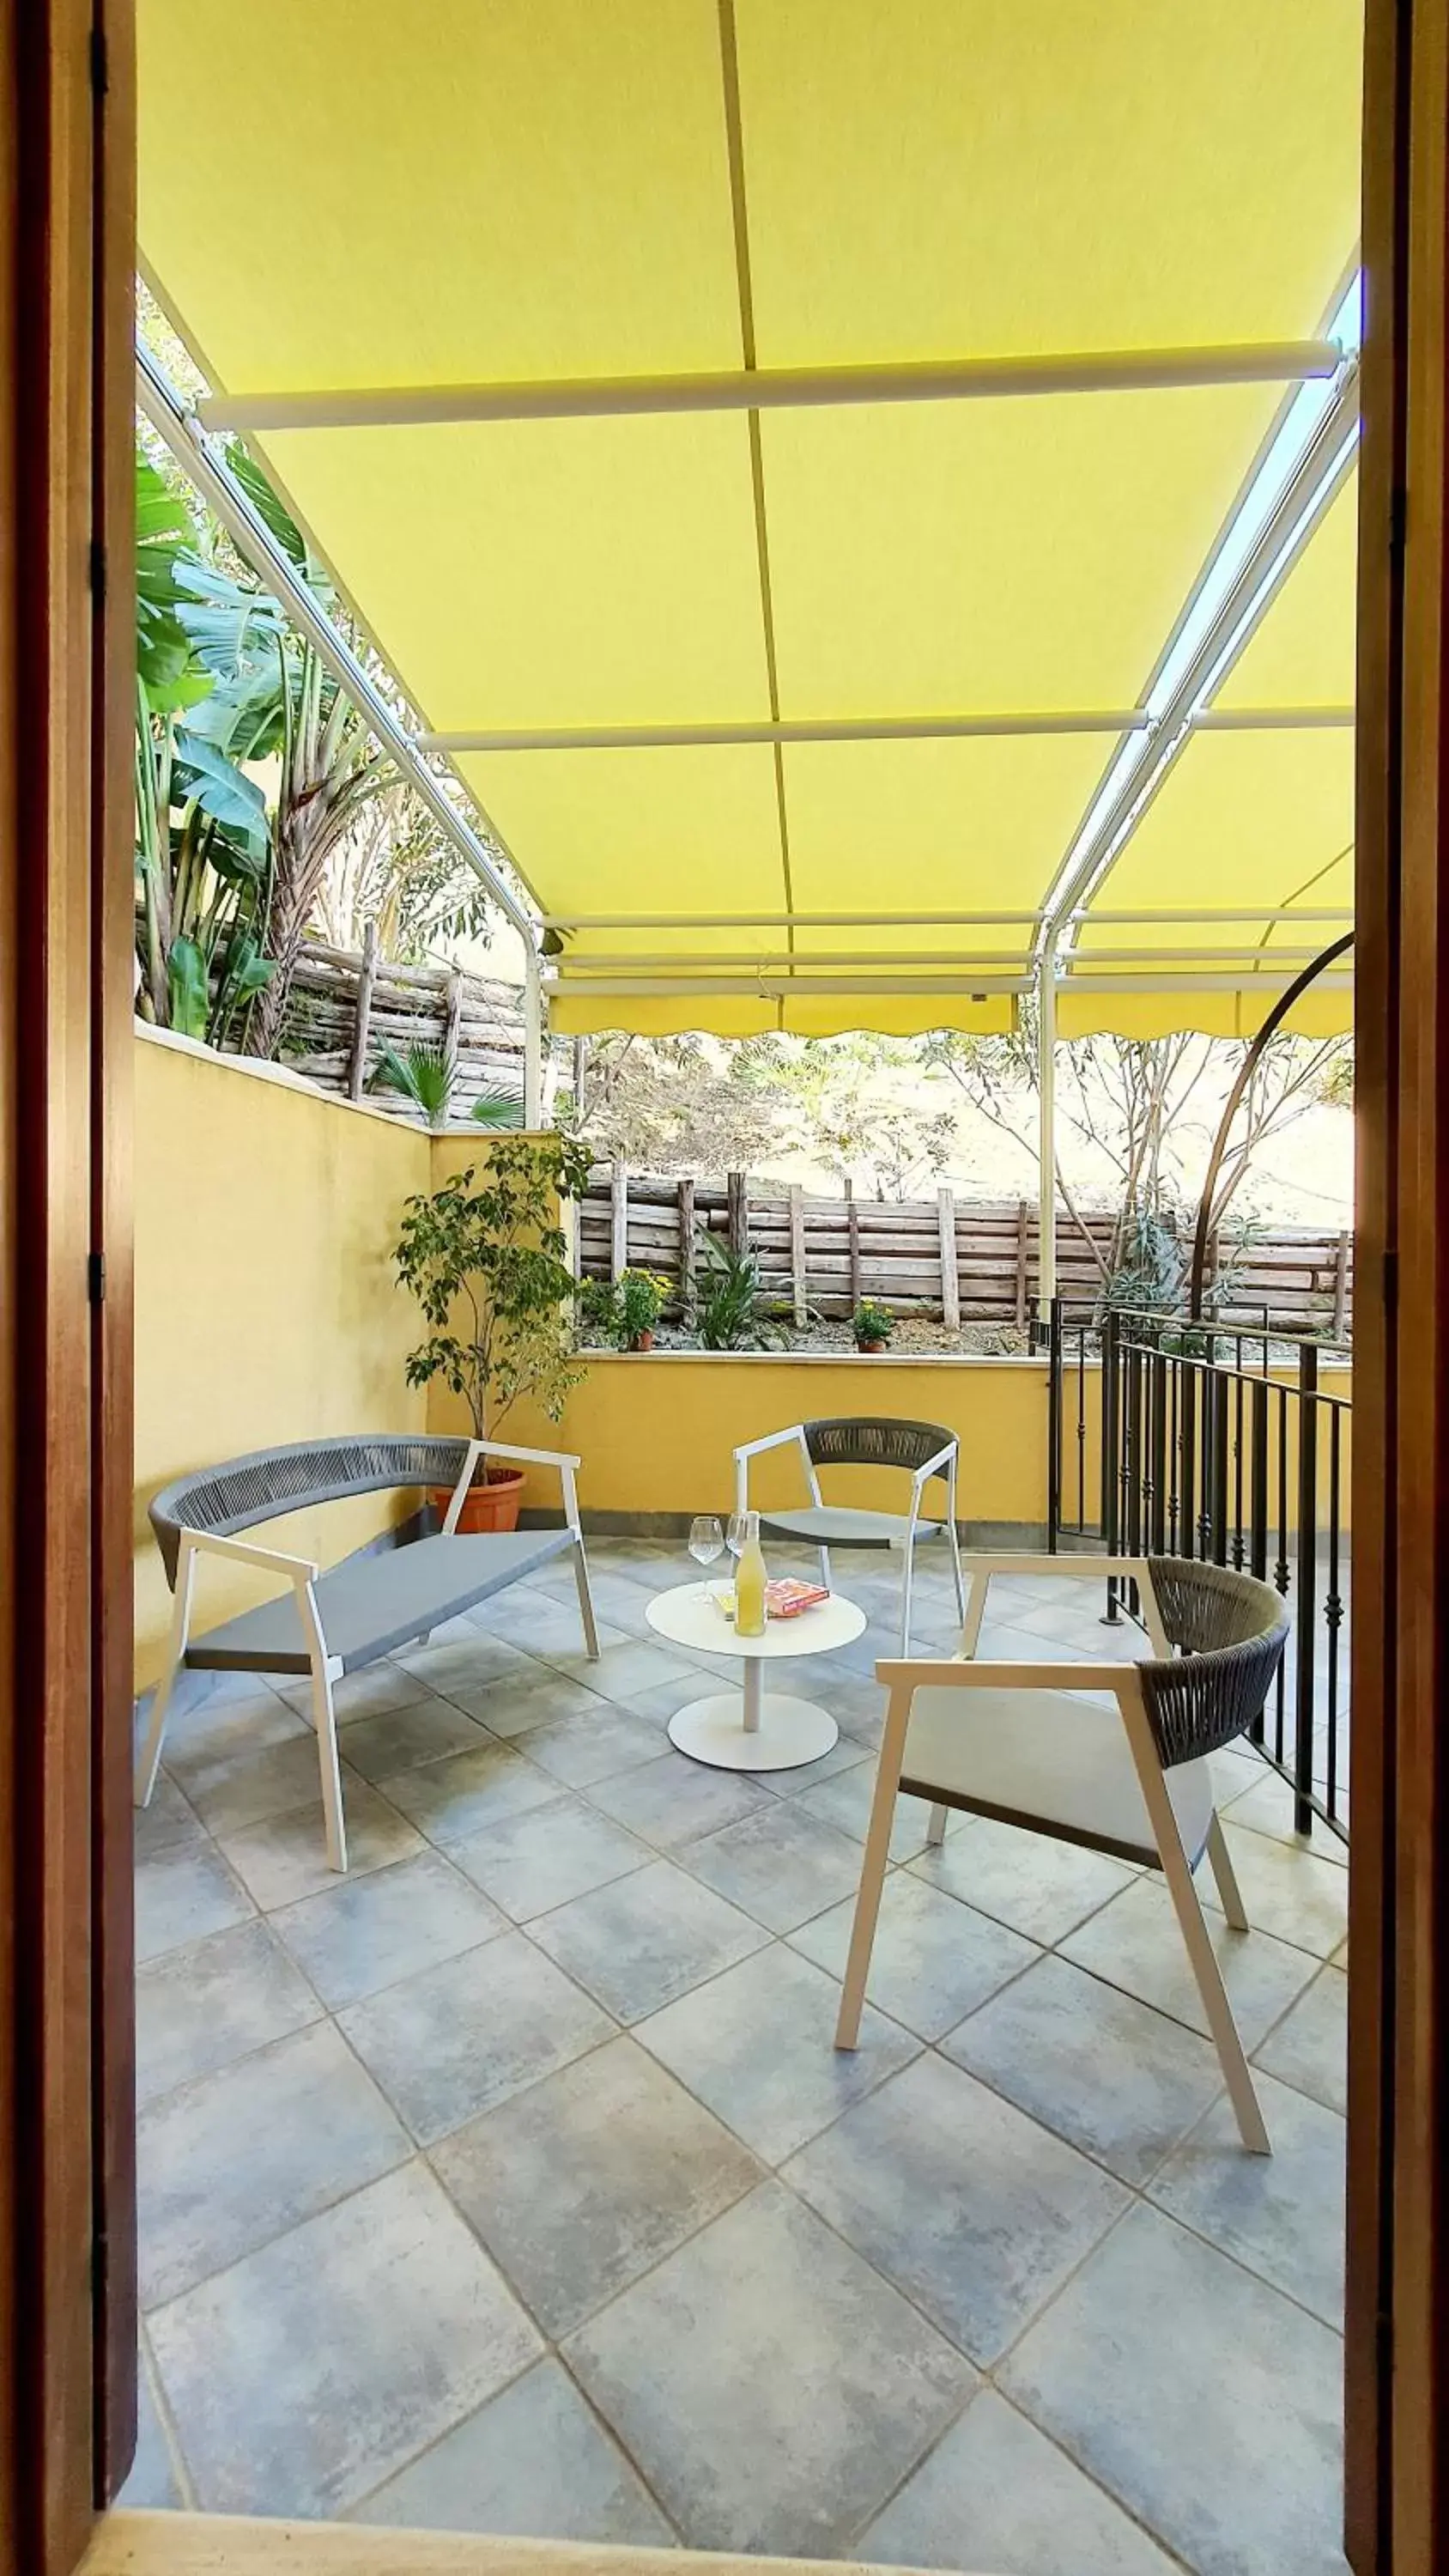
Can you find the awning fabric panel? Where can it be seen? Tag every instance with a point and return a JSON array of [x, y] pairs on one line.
[[542, 189]]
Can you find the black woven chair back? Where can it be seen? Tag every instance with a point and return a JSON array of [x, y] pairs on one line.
[[1229, 1631], [875, 1440], [242, 1492]]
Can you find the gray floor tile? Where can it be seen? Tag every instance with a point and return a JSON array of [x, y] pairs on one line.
[[845, 1754], [626, 1665], [240, 1788], [461, 1663], [781, 1865], [845, 1800], [450, 2041], [1282, 2215], [757, 2045], [342, 2349], [182, 1892], [672, 1800], [583, 2182], [168, 1821], [400, 1738], [1207, 2403], [467, 1791], [933, 1959], [1038, 1887], [153, 2484], [1119, 2080], [1135, 1943], [1309, 2048], [593, 1744], [1287, 1890], [811, 2394], [213, 2000], [531, 1863], [529, 1617], [526, 1701], [373, 1692], [286, 1858], [1267, 1806], [237, 1714], [536, 2462], [976, 2211], [233, 2159], [996, 2493], [644, 1939], [361, 1935]]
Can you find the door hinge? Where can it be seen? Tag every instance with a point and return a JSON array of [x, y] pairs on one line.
[[98, 572], [100, 62], [96, 1278]]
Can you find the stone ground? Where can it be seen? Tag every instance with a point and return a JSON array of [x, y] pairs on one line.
[[513, 2183]]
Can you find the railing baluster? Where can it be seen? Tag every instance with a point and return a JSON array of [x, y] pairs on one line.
[[1307, 1584]]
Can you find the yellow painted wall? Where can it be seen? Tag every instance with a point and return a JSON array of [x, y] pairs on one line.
[[266, 1309]]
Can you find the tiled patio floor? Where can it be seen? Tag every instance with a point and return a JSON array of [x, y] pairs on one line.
[[513, 2183]]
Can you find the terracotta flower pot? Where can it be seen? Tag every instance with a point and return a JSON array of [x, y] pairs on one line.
[[642, 1341], [489, 1504], [870, 1346]]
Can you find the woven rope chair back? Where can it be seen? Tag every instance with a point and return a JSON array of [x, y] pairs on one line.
[[875, 1440], [235, 1496], [1230, 1631]]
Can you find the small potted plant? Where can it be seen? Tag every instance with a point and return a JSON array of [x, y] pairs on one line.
[[484, 1257], [641, 1296], [872, 1325]]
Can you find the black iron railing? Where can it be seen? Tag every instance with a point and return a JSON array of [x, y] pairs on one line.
[[1172, 1438]]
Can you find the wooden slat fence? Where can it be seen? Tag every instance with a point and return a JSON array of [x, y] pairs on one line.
[[344, 1009], [821, 1254]]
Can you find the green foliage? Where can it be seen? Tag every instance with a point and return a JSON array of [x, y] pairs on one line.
[[872, 1322], [618, 1311], [484, 1257], [732, 1311], [426, 1074], [1148, 1276], [641, 1301]]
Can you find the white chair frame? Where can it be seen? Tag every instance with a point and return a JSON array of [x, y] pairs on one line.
[[943, 1464], [903, 1679], [326, 1669]]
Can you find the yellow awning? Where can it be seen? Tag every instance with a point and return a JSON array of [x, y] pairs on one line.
[[594, 208]]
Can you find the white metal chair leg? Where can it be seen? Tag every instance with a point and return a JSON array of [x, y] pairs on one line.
[[325, 1669], [1192, 1923], [586, 1602], [954, 1543], [936, 1829], [1221, 1861], [907, 1572], [150, 1759], [873, 1868]]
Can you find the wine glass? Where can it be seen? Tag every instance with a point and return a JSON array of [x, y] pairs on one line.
[[706, 1538], [737, 1533]]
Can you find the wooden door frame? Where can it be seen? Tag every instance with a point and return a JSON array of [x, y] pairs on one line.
[[1398, 2278], [67, 2240]]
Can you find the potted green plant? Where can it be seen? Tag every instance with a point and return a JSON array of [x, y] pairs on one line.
[[872, 1325], [641, 1295], [485, 1258]]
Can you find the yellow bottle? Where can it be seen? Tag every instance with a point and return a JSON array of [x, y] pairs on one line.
[[750, 1583]]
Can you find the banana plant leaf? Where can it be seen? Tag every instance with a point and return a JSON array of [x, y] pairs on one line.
[[190, 988], [221, 790]]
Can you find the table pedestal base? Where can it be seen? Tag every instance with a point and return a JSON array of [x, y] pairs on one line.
[[784, 1732]]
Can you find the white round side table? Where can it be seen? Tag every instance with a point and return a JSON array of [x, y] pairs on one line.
[[752, 1729]]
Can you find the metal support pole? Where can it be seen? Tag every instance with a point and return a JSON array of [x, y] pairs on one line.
[[532, 1041], [1046, 987]]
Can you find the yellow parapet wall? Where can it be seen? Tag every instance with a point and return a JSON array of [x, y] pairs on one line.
[[265, 1306]]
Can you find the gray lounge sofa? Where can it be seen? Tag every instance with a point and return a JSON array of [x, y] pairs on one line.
[[325, 1625]]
